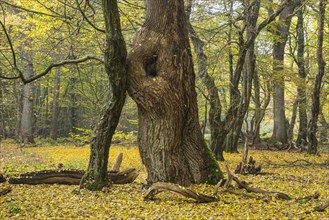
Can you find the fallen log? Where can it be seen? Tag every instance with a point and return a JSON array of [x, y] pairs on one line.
[[158, 187], [69, 177], [5, 190]]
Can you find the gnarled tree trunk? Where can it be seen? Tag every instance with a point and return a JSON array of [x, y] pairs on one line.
[[161, 81]]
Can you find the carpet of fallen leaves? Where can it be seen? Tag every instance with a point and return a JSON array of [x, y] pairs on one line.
[[126, 201]]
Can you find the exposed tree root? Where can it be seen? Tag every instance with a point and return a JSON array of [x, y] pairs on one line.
[[5, 190], [322, 207], [278, 195], [70, 177], [158, 187]]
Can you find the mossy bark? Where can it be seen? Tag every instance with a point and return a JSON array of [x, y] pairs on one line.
[[115, 64], [161, 81]]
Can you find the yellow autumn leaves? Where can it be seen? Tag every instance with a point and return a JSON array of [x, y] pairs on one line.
[[126, 201]]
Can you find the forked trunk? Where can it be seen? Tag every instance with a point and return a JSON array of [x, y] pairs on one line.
[[161, 80], [115, 63]]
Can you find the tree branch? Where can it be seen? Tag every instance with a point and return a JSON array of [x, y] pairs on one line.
[[32, 11], [13, 54], [62, 63], [86, 18]]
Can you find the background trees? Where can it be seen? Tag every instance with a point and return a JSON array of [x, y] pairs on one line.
[[66, 103]]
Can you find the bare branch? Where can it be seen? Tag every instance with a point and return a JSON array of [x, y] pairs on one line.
[[13, 52], [86, 18], [64, 62]]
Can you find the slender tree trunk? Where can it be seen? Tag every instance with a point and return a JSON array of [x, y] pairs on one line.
[[27, 110], [162, 82], [258, 111], [55, 106], [217, 130], [3, 133], [19, 100], [301, 86], [73, 111], [281, 37], [313, 142], [248, 75], [115, 64], [292, 121], [324, 127]]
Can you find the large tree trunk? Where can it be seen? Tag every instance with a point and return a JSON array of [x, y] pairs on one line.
[[115, 64], [313, 143], [281, 36], [301, 86], [27, 110], [162, 82]]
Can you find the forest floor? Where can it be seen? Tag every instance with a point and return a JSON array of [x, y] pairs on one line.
[[295, 174]]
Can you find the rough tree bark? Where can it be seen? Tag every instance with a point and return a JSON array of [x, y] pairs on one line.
[[27, 109], [161, 81], [312, 128], [281, 37], [115, 64]]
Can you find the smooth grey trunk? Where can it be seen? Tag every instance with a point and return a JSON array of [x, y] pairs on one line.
[[3, 133], [27, 109], [73, 111], [280, 39], [55, 105], [255, 129], [324, 128], [313, 128], [19, 103], [301, 85]]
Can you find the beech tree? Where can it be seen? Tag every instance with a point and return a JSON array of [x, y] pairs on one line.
[[280, 39]]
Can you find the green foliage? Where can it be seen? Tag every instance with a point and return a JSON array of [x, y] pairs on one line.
[[124, 138], [13, 209], [81, 136]]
